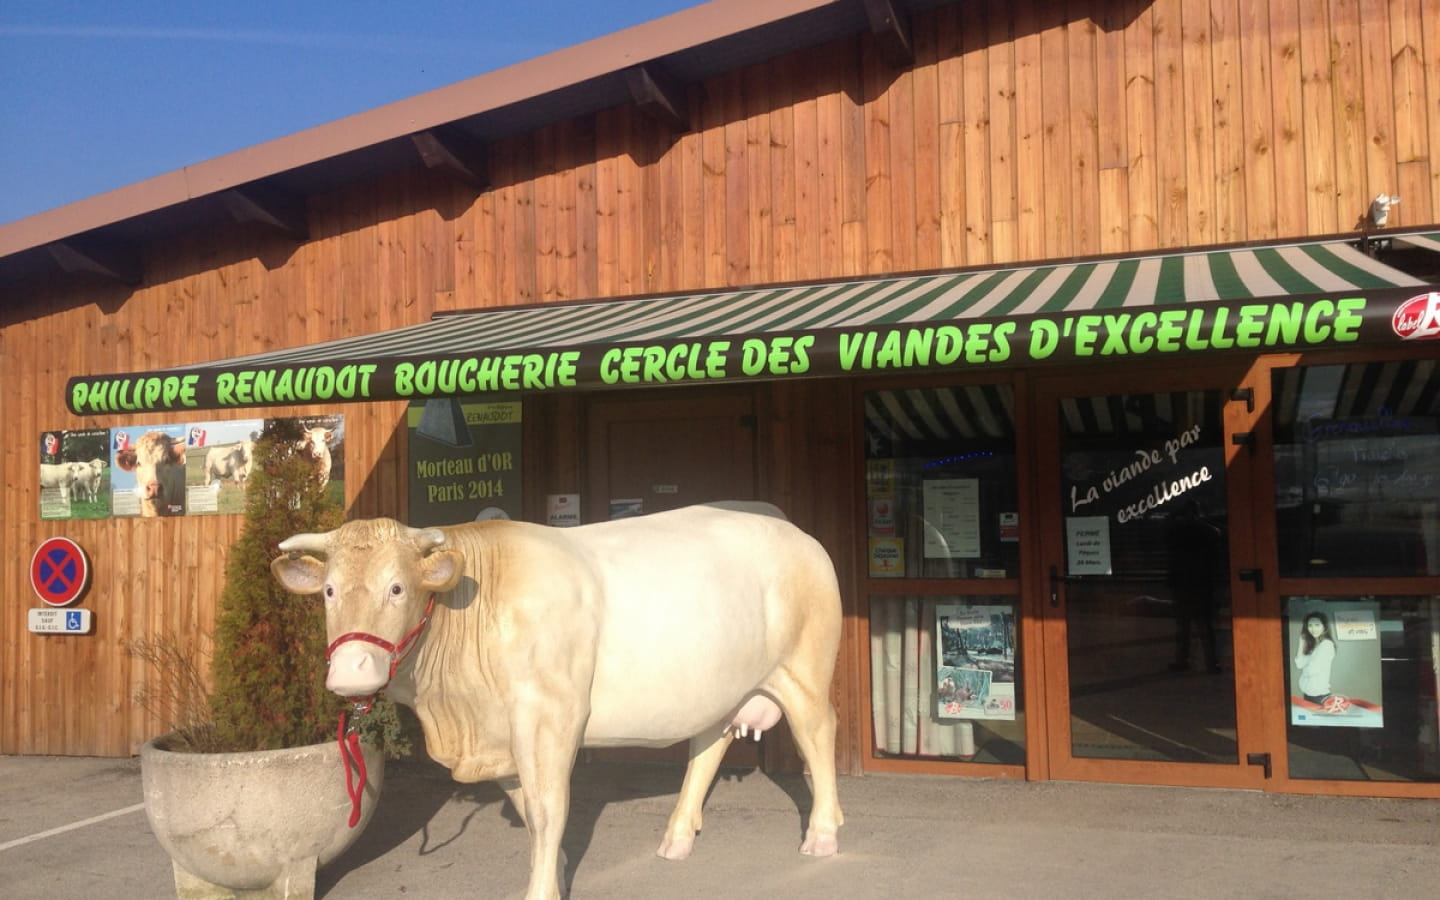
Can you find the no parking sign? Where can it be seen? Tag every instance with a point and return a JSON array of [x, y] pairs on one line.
[[59, 571]]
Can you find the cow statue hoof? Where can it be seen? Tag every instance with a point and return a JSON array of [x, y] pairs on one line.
[[820, 844], [676, 848]]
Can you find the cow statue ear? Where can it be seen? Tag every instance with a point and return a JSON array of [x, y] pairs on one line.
[[442, 569], [303, 575]]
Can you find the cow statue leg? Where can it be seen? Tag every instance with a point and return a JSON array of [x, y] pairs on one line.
[[513, 790], [812, 722], [545, 758], [706, 754]]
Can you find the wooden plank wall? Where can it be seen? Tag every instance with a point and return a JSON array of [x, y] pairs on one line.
[[1027, 129]]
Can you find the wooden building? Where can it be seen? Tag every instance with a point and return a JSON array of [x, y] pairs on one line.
[[1078, 332]]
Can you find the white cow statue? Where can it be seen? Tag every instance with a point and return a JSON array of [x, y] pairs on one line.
[[702, 623]]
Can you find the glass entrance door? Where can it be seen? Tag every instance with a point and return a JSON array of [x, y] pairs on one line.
[[1144, 609]]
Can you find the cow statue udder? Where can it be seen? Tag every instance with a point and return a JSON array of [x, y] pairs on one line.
[[700, 623]]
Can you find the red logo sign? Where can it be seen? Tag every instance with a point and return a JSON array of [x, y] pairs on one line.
[[1418, 318], [59, 571]]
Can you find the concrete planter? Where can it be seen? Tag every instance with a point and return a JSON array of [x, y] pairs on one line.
[[257, 825]]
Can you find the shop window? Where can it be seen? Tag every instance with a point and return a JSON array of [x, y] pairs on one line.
[[944, 679], [941, 504], [940, 483], [1357, 469], [1361, 676]]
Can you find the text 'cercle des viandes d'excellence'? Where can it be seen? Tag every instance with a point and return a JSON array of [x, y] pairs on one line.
[[1106, 335]]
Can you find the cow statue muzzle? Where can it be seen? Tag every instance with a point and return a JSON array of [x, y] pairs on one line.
[[358, 672]]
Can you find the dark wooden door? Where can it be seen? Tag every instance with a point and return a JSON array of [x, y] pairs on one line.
[[656, 451]]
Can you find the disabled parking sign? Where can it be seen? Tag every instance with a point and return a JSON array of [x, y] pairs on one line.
[[60, 621]]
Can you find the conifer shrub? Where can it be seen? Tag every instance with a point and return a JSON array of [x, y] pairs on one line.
[[268, 665], [267, 668]]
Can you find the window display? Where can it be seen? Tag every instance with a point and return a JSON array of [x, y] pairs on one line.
[[944, 679], [941, 503], [1361, 678], [1357, 469], [940, 483]]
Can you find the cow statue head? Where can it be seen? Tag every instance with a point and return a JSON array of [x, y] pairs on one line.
[[379, 580]]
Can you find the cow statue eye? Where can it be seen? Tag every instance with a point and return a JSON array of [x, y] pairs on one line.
[[396, 589], [329, 594]]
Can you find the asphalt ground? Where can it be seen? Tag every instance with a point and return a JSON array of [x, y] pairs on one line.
[[74, 828]]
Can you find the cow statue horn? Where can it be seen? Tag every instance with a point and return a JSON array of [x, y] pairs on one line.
[[301, 543], [425, 539]]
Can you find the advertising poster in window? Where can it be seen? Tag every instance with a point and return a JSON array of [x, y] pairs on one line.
[[1335, 672], [464, 460], [975, 662], [75, 474], [880, 477], [952, 518], [218, 458], [887, 557]]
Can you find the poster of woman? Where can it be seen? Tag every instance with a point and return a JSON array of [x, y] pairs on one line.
[[1334, 651]]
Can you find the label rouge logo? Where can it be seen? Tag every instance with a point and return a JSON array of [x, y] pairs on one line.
[[1418, 318]]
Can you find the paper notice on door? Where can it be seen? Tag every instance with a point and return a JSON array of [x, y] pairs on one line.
[[1087, 545], [952, 518]]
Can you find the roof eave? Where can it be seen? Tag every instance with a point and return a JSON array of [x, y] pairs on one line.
[[494, 90]]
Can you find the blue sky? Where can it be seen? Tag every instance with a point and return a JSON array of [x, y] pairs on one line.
[[96, 95]]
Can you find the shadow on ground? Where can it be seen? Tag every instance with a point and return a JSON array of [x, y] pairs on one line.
[[416, 790]]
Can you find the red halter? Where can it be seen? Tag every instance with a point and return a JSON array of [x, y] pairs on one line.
[[397, 651], [348, 736]]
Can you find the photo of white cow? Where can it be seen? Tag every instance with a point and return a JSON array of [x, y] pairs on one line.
[[74, 470], [221, 458]]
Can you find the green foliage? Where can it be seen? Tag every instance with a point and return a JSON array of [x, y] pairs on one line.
[[268, 667]]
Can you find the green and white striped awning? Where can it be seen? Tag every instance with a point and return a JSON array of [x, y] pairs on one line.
[[963, 318]]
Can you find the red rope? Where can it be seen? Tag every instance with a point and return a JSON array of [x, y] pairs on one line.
[[355, 774]]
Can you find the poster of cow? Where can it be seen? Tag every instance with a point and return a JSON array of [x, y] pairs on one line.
[[181, 469], [218, 459], [148, 471], [75, 474], [322, 441]]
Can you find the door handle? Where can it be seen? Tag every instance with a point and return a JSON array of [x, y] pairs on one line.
[[1254, 575], [1054, 586]]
